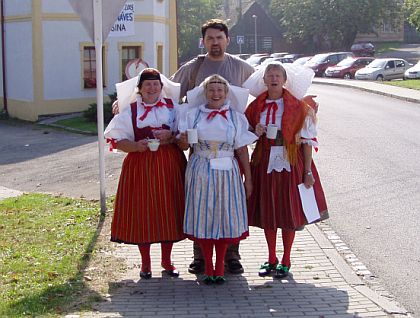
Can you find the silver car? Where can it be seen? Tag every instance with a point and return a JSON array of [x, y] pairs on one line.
[[383, 69]]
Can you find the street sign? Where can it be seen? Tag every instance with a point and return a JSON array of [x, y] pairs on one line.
[[240, 39], [200, 43]]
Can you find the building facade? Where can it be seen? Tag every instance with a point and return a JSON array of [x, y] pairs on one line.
[[49, 59]]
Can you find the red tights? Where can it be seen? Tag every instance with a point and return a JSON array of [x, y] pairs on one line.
[[166, 249], [288, 237], [207, 249]]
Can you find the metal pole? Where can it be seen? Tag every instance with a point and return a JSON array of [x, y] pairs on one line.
[[255, 33], [3, 57], [97, 18]]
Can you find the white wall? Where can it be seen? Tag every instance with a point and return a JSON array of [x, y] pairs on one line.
[[19, 77], [53, 6]]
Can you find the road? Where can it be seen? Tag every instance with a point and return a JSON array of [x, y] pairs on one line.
[[369, 164]]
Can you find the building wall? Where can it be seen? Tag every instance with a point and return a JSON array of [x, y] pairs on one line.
[[47, 57]]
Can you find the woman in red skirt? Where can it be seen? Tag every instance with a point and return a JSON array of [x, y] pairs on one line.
[[149, 204], [280, 164]]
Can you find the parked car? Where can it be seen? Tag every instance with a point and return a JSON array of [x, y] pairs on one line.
[[243, 56], [294, 56], [302, 60], [256, 59], [347, 67], [274, 59], [363, 49], [413, 72], [320, 62], [278, 54], [383, 69]]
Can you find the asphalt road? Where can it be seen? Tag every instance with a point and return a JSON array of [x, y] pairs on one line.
[[369, 165]]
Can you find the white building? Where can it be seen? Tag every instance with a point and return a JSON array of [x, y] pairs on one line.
[[50, 59]]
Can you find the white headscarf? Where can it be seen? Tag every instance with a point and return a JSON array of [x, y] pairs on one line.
[[299, 78], [237, 97], [127, 91]]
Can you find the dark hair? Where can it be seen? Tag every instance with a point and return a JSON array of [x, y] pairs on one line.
[[148, 74], [214, 24]]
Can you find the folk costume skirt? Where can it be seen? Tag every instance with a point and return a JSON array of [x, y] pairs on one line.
[[149, 205], [275, 200], [215, 206]]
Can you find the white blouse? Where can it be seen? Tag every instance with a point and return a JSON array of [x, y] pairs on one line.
[[121, 126], [233, 129], [308, 131]]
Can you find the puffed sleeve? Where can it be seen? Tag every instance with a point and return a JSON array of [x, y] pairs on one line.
[[308, 132], [243, 136], [120, 127]]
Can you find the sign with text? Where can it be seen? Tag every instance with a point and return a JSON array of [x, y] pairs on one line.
[[124, 26]]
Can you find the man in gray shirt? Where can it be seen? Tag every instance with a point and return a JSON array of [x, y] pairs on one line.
[[235, 71]]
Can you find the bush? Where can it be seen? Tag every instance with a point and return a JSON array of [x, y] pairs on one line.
[[91, 113]]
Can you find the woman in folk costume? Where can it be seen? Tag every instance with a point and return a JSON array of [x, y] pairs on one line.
[[279, 165], [215, 195], [149, 204]]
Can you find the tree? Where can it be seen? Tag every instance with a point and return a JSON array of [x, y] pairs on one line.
[[322, 25], [191, 15], [412, 10]]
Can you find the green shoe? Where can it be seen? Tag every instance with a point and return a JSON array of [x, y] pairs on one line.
[[208, 280], [219, 280], [266, 268], [282, 271]]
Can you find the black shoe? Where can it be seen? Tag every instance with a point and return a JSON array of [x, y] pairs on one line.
[[196, 267], [266, 268], [234, 266], [172, 272], [145, 275], [282, 271], [219, 280]]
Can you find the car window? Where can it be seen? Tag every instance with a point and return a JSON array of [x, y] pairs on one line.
[[346, 62], [377, 64], [365, 62], [399, 63], [333, 59], [390, 64]]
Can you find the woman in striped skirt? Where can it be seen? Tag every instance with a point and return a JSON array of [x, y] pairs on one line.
[[149, 204], [215, 209]]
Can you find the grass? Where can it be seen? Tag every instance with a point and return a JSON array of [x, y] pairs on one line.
[[45, 244], [412, 83], [381, 47], [79, 123]]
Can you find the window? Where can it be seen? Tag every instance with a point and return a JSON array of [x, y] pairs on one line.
[[399, 63], [390, 64], [159, 55], [128, 53], [89, 67]]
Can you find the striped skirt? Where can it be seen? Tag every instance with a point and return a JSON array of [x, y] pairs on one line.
[[275, 200], [215, 204], [149, 205]]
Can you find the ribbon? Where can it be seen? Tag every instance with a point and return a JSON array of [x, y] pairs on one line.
[[149, 108], [271, 109], [214, 113]]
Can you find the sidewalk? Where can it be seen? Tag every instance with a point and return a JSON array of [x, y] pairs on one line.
[[326, 280]]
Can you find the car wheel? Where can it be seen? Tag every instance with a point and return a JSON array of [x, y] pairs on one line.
[[379, 78], [347, 76]]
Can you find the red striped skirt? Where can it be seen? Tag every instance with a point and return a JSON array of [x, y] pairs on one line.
[[149, 205], [275, 200]]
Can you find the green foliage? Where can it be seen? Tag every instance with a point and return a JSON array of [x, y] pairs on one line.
[[323, 25], [45, 244], [412, 11], [191, 15], [91, 113]]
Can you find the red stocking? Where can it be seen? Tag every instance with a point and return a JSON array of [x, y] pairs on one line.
[[288, 238], [221, 249], [271, 238], [166, 249], [207, 249], [145, 257]]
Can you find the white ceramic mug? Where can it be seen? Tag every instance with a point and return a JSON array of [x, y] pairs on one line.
[[153, 144], [192, 136], [272, 131]]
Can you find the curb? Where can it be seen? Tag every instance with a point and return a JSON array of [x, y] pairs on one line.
[[369, 90], [350, 276]]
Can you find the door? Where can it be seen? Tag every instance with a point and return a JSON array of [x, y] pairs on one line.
[[389, 72]]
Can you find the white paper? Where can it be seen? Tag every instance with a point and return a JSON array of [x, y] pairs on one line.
[[310, 208]]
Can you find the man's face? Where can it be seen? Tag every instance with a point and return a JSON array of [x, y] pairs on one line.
[[215, 42]]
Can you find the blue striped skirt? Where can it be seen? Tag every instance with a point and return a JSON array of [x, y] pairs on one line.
[[215, 206]]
